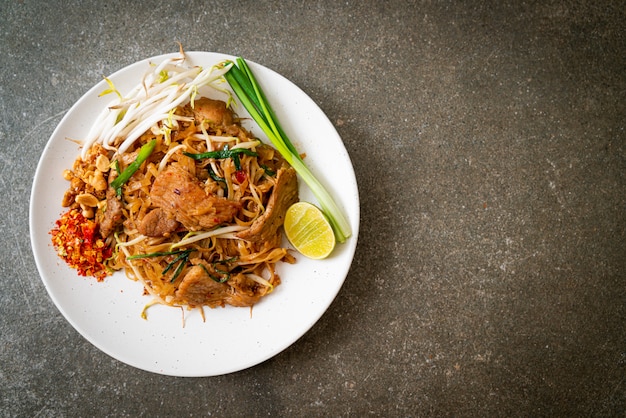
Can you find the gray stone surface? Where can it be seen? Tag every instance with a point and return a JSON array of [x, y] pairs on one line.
[[489, 147]]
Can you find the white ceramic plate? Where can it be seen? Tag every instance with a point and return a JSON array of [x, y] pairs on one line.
[[108, 313]]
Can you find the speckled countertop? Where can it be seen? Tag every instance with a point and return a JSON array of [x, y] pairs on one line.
[[488, 144]]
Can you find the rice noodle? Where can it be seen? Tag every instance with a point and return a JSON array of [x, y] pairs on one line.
[[165, 263]]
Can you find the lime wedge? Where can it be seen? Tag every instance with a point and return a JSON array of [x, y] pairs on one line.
[[309, 231]]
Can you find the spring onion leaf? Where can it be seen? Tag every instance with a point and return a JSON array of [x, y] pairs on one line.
[[157, 254], [223, 153], [182, 258], [268, 170], [223, 279], [249, 92], [215, 176], [142, 156], [179, 269]]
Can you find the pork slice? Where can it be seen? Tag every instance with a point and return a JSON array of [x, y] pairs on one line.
[[199, 289], [182, 196], [284, 194], [158, 223], [246, 292], [213, 111], [112, 216]]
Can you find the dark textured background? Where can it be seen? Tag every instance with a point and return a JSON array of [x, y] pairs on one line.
[[489, 148]]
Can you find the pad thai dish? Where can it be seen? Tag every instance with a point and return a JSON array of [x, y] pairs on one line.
[[187, 202]]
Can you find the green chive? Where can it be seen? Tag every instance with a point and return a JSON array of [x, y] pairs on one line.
[[142, 156], [251, 96], [221, 154]]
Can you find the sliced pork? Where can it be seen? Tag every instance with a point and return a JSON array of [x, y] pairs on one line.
[[199, 289], [182, 196], [158, 223], [284, 194], [112, 216], [214, 112]]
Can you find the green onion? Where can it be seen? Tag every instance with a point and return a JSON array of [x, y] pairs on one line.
[[215, 176], [220, 154], [143, 155], [245, 86], [217, 279], [225, 273], [182, 256], [268, 171], [179, 269], [157, 254]]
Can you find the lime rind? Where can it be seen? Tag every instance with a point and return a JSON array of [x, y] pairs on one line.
[[309, 231]]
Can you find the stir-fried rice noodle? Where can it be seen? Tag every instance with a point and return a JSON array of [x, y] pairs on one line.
[[194, 231]]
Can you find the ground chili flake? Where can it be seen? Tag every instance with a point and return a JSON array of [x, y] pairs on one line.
[[78, 242]]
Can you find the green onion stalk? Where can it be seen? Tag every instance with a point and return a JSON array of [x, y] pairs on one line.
[[125, 175], [245, 86]]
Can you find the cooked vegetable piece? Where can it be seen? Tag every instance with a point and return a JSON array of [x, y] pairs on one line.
[[143, 155], [223, 153]]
